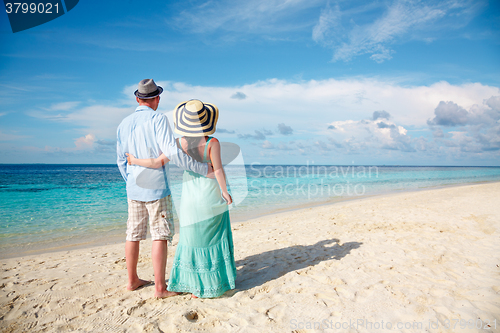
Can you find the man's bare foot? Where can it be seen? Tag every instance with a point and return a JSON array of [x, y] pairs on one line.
[[137, 284], [194, 296], [165, 294]]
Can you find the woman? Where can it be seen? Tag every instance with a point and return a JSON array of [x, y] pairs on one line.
[[204, 260]]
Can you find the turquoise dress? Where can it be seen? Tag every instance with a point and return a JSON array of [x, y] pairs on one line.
[[204, 259]]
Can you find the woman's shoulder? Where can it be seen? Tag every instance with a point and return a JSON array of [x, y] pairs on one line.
[[213, 142], [182, 143]]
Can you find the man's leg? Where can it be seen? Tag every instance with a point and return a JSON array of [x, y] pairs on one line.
[[132, 257], [160, 218], [136, 230], [159, 256]]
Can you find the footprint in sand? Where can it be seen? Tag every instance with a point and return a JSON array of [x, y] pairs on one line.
[[345, 293], [135, 307], [365, 294], [160, 312], [330, 299], [191, 315], [264, 289]]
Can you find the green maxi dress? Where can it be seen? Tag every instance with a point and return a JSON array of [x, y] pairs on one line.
[[204, 259]]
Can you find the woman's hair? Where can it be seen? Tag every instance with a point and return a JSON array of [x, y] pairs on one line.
[[192, 148]]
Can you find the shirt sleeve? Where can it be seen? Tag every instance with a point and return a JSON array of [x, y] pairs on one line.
[[166, 141], [121, 159]]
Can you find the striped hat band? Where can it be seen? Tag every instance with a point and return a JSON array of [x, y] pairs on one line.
[[195, 118]]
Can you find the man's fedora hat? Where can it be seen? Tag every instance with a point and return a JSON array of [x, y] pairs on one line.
[[195, 118], [148, 89]]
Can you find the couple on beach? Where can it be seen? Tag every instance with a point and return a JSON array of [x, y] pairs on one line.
[[204, 260]]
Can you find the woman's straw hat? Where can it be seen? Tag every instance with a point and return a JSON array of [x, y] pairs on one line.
[[195, 118]]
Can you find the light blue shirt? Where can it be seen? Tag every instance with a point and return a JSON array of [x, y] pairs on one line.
[[147, 134]]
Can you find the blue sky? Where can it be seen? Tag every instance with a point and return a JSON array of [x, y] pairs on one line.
[[296, 82]]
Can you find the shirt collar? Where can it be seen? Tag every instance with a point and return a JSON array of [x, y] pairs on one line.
[[143, 108]]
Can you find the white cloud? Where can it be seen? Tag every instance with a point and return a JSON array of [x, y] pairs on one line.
[[11, 137], [494, 103], [239, 95], [284, 129], [345, 115], [85, 142], [381, 115], [65, 106], [479, 128], [478, 135], [368, 134], [267, 145], [100, 119], [245, 16], [257, 136], [304, 106], [402, 20], [329, 22], [309, 105], [449, 114]]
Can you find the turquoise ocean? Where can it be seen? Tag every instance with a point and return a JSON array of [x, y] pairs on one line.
[[52, 207]]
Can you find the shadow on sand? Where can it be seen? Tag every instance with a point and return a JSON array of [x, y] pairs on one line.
[[264, 267]]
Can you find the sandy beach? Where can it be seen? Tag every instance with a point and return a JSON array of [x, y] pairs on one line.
[[425, 261]]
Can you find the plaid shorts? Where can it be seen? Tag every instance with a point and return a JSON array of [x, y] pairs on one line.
[[159, 214]]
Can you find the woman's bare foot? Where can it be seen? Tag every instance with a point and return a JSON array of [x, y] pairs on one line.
[[194, 296], [137, 284], [165, 294]]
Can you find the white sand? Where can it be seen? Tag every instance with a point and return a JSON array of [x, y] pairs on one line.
[[405, 259]]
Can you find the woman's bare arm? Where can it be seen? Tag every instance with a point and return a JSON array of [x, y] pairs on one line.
[[152, 163], [214, 150]]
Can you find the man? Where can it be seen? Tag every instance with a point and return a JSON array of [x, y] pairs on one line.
[[146, 134]]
